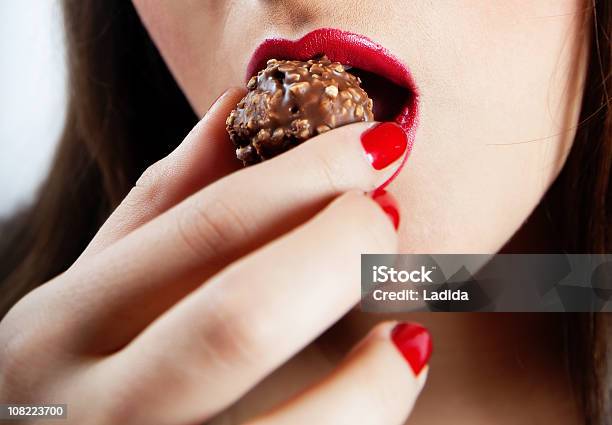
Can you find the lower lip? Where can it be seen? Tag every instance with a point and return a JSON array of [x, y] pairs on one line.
[[349, 49]]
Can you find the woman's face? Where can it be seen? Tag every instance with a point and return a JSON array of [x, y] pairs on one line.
[[499, 87]]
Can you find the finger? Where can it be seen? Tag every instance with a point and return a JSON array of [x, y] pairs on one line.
[[163, 260], [378, 383], [203, 157], [219, 341]]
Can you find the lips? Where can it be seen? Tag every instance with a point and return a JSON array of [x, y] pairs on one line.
[[385, 78]]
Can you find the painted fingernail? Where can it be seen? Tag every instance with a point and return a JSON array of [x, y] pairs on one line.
[[389, 205], [384, 144], [414, 342]]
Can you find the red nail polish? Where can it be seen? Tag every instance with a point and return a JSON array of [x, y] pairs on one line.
[[389, 205], [414, 342], [384, 144]]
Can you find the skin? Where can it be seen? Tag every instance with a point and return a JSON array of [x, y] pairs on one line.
[[497, 118], [176, 341], [183, 339], [486, 89]]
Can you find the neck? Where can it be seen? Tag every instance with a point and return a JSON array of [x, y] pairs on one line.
[[538, 235]]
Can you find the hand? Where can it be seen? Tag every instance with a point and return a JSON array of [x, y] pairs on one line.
[[203, 281]]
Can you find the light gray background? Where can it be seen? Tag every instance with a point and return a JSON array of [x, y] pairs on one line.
[[32, 95]]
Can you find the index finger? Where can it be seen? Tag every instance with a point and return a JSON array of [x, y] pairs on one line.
[[203, 157]]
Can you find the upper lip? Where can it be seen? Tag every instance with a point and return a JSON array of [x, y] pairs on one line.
[[340, 46], [357, 51]]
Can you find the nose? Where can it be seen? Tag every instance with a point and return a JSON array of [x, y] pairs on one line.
[[293, 14]]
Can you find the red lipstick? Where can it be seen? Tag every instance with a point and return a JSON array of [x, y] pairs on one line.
[[397, 98]]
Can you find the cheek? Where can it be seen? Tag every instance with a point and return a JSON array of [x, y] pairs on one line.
[[499, 83], [186, 35], [498, 113], [162, 21]]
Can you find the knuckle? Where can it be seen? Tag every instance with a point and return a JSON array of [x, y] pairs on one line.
[[209, 225], [16, 341], [12, 356], [147, 190], [151, 175], [233, 337], [18, 355]]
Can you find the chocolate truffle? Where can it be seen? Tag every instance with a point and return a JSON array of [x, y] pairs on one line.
[[289, 102]]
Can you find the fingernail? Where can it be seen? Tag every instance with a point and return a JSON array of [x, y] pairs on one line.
[[384, 144], [414, 342], [389, 205]]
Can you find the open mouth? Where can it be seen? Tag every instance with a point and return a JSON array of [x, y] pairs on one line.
[[385, 78], [389, 98]]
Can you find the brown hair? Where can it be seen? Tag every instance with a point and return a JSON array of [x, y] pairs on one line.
[[583, 195], [116, 126]]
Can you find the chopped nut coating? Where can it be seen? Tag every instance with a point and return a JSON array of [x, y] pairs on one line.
[[289, 102]]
